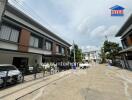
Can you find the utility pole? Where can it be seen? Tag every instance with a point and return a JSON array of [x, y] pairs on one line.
[[74, 52]]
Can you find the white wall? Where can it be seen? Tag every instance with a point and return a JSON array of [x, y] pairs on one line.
[[10, 46], [34, 50], [7, 57]]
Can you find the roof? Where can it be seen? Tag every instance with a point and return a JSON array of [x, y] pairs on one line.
[[117, 7], [28, 19], [125, 26]]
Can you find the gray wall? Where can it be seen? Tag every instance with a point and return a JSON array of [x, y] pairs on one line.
[[2, 6]]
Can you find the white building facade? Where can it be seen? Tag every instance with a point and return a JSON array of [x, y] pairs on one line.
[[91, 56]]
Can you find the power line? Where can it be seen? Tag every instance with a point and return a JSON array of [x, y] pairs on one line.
[[32, 13], [22, 8], [25, 9]]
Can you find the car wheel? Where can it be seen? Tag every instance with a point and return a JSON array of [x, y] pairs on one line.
[[20, 79]]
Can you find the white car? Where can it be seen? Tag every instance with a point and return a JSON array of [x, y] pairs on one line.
[[84, 65], [9, 74]]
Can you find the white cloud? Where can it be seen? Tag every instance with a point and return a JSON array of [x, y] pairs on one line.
[[98, 31], [112, 30], [98, 36], [89, 48], [102, 31], [91, 19], [84, 26]]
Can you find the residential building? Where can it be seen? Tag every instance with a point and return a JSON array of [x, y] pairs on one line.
[[23, 41], [91, 56], [126, 38]]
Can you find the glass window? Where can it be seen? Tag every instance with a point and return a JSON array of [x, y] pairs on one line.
[[34, 41], [5, 32], [125, 43], [63, 50], [14, 36], [9, 33], [48, 45], [5, 68], [31, 41]]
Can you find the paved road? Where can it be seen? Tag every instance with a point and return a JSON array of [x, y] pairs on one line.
[[96, 83], [13, 93], [99, 82]]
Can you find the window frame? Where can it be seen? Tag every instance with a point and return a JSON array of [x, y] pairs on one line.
[[47, 41], [63, 48], [12, 27], [40, 41]]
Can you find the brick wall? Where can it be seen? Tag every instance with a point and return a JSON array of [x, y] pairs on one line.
[[54, 48], [24, 41], [129, 40]]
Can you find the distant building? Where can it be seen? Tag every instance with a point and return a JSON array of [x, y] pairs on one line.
[[126, 38], [117, 11], [91, 56], [23, 41]]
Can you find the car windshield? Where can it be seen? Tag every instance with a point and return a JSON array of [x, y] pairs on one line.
[[6, 68]]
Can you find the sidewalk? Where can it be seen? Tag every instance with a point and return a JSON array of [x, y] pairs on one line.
[[38, 75], [16, 92]]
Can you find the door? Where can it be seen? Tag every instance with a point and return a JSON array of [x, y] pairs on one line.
[[21, 63]]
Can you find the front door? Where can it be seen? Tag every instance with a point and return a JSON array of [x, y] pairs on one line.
[[21, 63]]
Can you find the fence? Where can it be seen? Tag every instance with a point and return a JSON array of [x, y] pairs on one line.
[[36, 73]]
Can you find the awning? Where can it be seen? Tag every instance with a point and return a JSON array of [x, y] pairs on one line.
[[129, 49]]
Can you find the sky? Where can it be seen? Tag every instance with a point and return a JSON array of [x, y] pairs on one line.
[[86, 22]]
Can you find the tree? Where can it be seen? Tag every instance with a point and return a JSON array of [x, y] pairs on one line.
[[78, 54], [109, 50], [102, 55]]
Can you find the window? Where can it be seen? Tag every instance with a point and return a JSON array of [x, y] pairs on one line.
[[125, 43], [57, 48], [9, 33], [48, 45], [63, 50], [68, 51], [34, 41], [5, 68]]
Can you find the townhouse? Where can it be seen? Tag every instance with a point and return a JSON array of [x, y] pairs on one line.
[[126, 39], [23, 41], [91, 56]]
